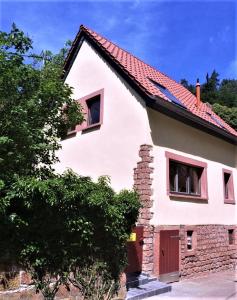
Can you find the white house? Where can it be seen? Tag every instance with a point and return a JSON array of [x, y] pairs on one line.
[[143, 129]]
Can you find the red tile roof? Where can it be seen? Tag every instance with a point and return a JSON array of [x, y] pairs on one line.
[[140, 72]]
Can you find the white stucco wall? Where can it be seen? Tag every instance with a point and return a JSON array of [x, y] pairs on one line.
[[113, 149], [173, 136]]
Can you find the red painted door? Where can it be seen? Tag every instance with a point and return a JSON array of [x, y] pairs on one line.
[[169, 255], [134, 251]]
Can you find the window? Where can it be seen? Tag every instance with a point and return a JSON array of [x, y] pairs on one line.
[[231, 236], [186, 177], [190, 240], [93, 106], [218, 122], [168, 94], [228, 187]]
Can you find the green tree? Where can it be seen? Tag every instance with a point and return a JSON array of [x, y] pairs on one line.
[[228, 93], [222, 96], [209, 90], [32, 97], [188, 86], [52, 225], [228, 114]]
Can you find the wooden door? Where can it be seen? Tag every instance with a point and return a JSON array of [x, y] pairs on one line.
[[169, 255], [134, 251]]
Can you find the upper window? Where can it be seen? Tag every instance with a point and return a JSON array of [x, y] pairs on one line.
[[93, 105], [228, 187], [186, 177], [168, 94]]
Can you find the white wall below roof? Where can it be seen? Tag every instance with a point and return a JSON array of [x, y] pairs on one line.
[[173, 136], [113, 149]]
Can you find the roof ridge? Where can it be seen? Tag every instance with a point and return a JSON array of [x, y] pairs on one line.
[[152, 67]]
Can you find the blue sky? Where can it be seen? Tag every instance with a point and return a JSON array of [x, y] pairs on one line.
[[184, 39]]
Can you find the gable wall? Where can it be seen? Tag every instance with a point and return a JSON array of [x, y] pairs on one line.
[[176, 137], [113, 149]]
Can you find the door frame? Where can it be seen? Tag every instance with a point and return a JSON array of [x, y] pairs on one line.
[[157, 231]]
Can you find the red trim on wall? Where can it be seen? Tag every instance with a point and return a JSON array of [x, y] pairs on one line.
[[185, 160], [191, 162], [231, 199], [82, 101]]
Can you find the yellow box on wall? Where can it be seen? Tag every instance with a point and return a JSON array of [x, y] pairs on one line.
[[132, 237]]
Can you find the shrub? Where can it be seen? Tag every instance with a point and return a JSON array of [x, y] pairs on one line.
[[68, 224]]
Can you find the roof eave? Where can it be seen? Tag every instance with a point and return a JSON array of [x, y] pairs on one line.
[[189, 118], [73, 52]]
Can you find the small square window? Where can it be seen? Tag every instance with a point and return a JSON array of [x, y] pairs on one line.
[[228, 187], [93, 105]]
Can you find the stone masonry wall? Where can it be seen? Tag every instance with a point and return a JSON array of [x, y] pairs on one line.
[[143, 185], [212, 251]]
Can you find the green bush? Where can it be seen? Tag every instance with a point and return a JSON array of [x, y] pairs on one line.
[[69, 224]]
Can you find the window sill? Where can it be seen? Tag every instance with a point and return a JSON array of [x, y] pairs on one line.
[[91, 127], [229, 201], [191, 197], [69, 135], [190, 252], [71, 132]]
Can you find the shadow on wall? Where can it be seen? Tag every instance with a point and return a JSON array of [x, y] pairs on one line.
[[169, 133], [134, 94]]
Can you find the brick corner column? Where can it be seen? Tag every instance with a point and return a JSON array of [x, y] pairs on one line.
[[143, 185]]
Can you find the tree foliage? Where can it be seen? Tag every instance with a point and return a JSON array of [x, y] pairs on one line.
[[209, 89], [222, 95], [187, 85], [32, 96], [229, 114], [67, 223], [228, 93], [55, 226]]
